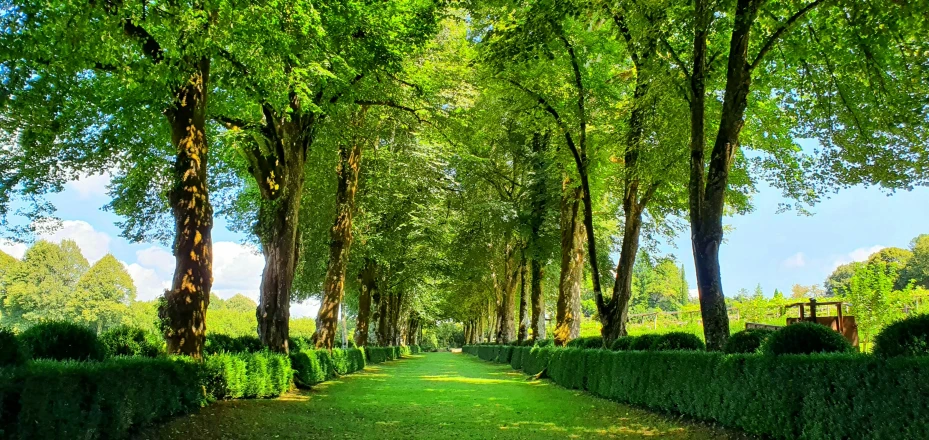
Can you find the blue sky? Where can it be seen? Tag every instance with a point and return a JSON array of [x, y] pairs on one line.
[[236, 268], [775, 250], [780, 250]]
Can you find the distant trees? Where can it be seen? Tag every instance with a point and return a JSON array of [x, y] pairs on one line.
[[55, 282]]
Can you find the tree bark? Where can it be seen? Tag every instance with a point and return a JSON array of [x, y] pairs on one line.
[[523, 332], [184, 310], [368, 278], [340, 244], [506, 325], [538, 301], [279, 221], [568, 320], [708, 190], [383, 318]]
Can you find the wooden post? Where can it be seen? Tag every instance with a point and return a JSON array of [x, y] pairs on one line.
[[813, 309]]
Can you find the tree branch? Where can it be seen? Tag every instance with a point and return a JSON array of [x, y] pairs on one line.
[[780, 31]]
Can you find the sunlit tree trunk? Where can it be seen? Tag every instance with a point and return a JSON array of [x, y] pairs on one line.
[[184, 310], [383, 318], [523, 332], [368, 281], [506, 322], [538, 301], [568, 319], [340, 243]]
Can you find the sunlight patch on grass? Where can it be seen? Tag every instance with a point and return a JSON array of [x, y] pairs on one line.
[[461, 379]]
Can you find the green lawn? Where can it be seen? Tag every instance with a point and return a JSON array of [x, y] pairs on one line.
[[437, 395]]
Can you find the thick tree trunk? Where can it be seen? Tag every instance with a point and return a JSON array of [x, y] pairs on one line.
[[523, 332], [368, 281], [279, 224], [506, 322], [568, 319], [615, 326], [708, 190], [339, 245], [184, 310], [393, 325], [538, 301], [383, 318]]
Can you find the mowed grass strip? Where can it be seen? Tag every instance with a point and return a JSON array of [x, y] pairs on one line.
[[435, 395]]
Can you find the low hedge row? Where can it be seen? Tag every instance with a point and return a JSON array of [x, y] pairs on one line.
[[820, 396], [314, 366], [377, 355], [55, 400], [246, 375]]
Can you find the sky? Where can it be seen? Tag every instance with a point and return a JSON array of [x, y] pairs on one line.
[[763, 247], [236, 267]]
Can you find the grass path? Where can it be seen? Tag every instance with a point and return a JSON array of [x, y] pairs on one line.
[[436, 395]]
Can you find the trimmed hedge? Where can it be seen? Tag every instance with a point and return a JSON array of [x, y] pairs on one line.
[[61, 341], [908, 337], [10, 351], [806, 338], [819, 396], [586, 342], [130, 341], [377, 355], [219, 343], [678, 341], [55, 400], [747, 341], [246, 375]]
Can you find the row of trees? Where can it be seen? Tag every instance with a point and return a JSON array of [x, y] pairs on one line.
[[443, 162]]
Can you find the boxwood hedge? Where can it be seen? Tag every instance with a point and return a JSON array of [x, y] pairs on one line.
[[818, 396]]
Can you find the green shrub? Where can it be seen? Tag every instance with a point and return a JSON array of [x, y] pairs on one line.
[[376, 355], [307, 369], [298, 344], [544, 343], [10, 351], [61, 341], [908, 337], [622, 343], [224, 376], [246, 375], [747, 341], [678, 341], [806, 338], [644, 342], [109, 399], [818, 396], [593, 342], [218, 343], [130, 341]]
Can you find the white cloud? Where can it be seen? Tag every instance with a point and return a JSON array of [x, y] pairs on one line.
[[308, 308], [156, 258], [795, 260], [860, 254], [94, 244], [13, 249], [148, 284], [91, 186], [237, 268]]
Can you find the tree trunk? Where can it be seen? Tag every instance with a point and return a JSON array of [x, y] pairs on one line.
[[339, 245], [615, 325], [383, 318], [396, 302], [538, 301], [708, 190], [523, 332], [184, 310], [279, 223], [368, 278], [506, 322], [568, 320]]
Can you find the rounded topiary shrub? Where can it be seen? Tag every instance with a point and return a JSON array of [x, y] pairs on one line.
[[10, 351], [747, 341], [130, 341], [678, 341], [644, 342], [909, 337], [61, 341], [586, 342], [806, 338], [623, 343]]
